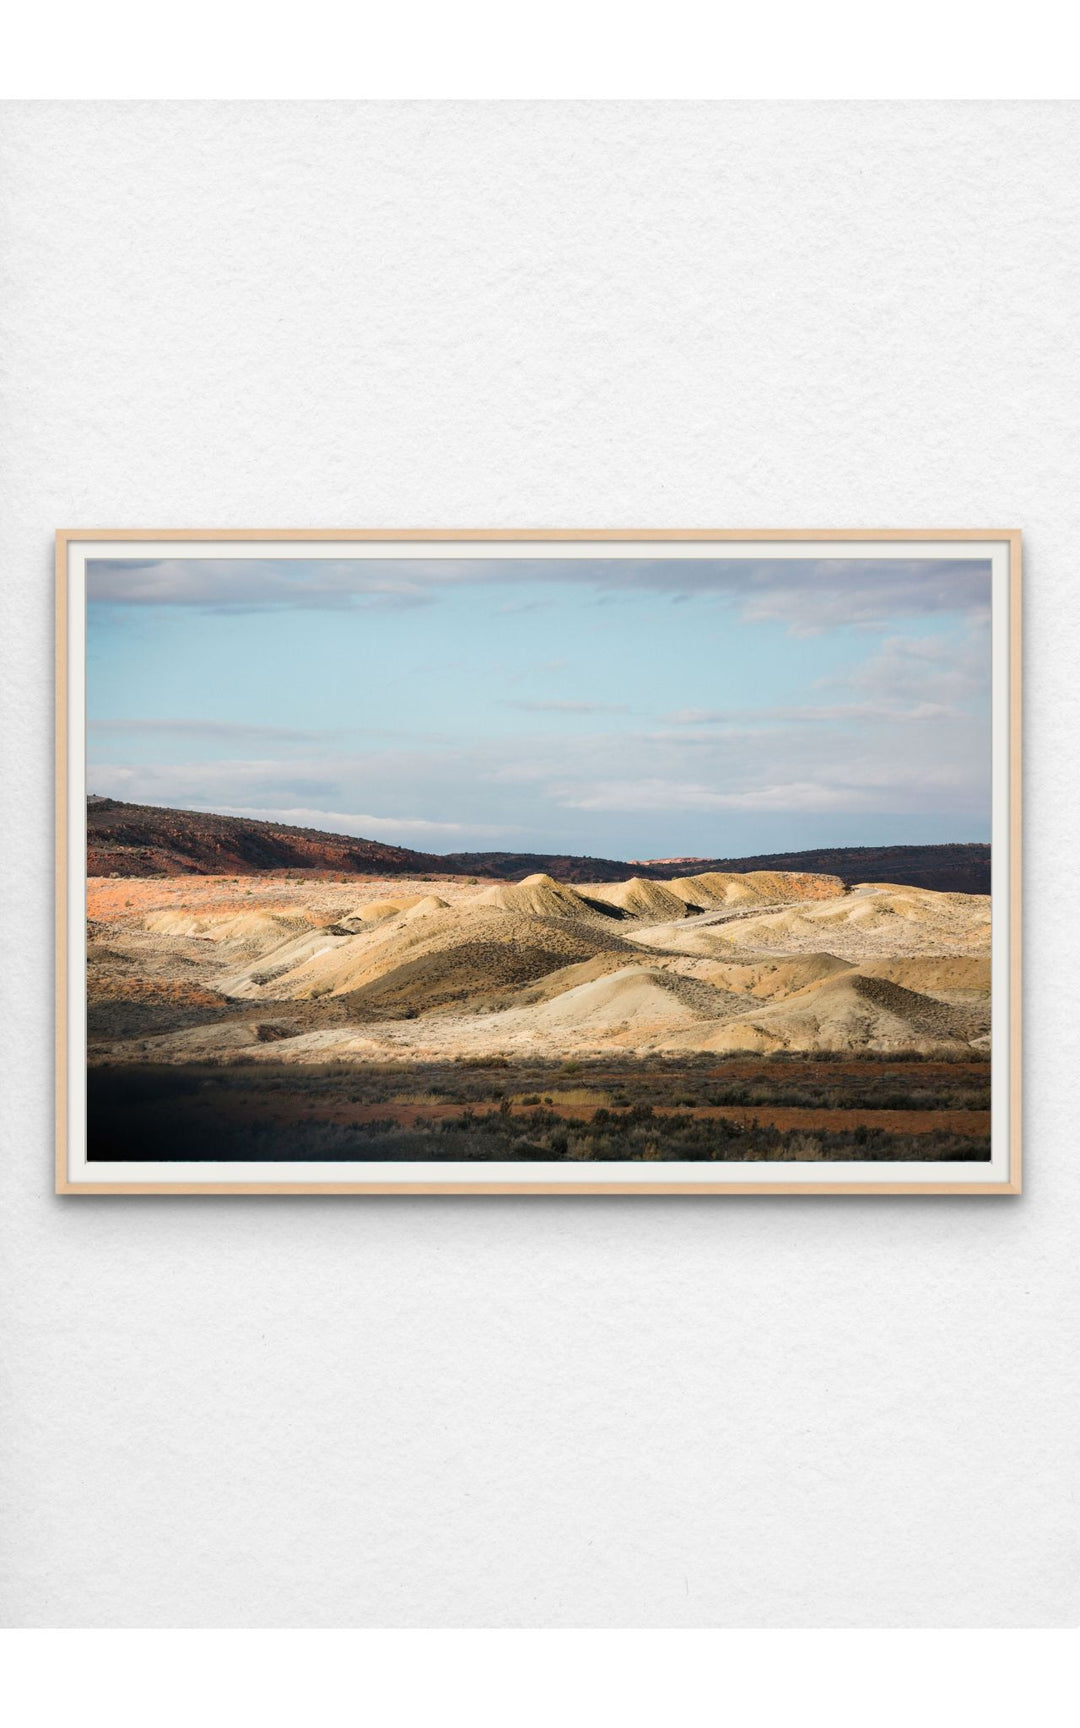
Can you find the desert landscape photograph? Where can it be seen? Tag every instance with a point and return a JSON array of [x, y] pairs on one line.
[[538, 861]]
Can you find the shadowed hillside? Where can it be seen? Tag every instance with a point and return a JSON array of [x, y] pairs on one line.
[[145, 840]]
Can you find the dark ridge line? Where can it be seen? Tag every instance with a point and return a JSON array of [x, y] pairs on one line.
[[158, 840]]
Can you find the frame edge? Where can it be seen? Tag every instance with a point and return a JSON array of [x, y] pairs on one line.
[[1013, 1185], [61, 719]]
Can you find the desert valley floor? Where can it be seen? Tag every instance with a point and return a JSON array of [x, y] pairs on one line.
[[759, 1016]]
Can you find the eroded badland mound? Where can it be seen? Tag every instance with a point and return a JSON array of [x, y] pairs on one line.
[[850, 1012], [873, 918], [768, 961], [538, 896]]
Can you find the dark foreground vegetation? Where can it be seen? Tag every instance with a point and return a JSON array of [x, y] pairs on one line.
[[700, 1109]]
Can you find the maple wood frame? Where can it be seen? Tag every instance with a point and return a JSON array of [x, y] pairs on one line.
[[1009, 537]]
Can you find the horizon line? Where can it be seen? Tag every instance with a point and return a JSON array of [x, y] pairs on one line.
[[535, 852]]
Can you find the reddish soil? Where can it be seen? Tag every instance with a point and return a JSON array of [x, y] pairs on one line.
[[316, 895]]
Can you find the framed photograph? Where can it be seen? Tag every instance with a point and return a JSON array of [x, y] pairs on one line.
[[538, 863]]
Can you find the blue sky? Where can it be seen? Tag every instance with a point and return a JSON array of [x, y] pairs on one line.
[[624, 709]]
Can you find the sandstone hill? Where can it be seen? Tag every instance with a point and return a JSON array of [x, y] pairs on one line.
[[763, 962]]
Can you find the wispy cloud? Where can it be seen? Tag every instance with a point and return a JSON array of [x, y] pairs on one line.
[[925, 669], [358, 824], [837, 713], [630, 795], [569, 707], [227, 731], [875, 792], [805, 594], [243, 732]]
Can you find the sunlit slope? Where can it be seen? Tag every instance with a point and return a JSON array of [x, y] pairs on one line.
[[848, 1013], [872, 920], [540, 897], [652, 901], [712, 891], [422, 958], [773, 962], [250, 930], [641, 998]]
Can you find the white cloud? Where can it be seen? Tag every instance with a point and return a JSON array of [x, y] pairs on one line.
[[837, 713], [925, 670], [358, 825], [631, 795], [569, 707], [804, 594], [225, 731]]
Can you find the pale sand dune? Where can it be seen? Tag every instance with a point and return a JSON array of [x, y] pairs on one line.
[[949, 977], [359, 922], [256, 980], [719, 888], [774, 962], [474, 948], [265, 929], [637, 1007], [845, 1013], [639, 899], [379, 909], [423, 908], [701, 937], [712, 891], [871, 921], [600, 965], [537, 897], [768, 977], [642, 997]]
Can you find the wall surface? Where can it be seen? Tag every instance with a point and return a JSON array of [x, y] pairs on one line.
[[541, 1412]]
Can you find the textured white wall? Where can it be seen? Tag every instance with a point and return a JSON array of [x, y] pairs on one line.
[[541, 1412]]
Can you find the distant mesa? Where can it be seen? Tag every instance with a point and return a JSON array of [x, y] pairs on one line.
[[655, 862]]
